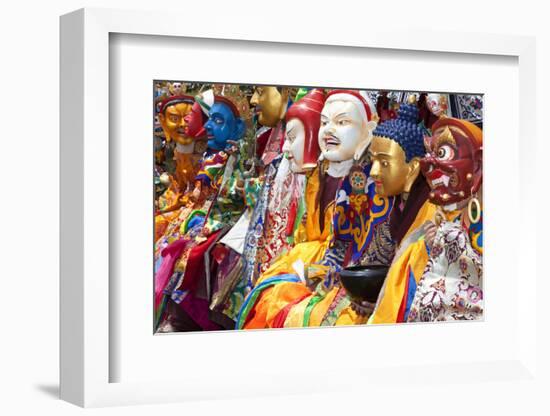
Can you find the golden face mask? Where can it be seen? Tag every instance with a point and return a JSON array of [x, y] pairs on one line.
[[173, 122], [390, 171], [270, 105]]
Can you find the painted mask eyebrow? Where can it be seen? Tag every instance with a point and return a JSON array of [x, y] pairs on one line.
[[341, 115]]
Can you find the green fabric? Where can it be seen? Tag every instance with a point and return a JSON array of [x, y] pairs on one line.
[[307, 313], [194, 213], [301, 93]]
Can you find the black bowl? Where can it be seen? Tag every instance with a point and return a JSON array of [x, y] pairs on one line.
[[364, 282]]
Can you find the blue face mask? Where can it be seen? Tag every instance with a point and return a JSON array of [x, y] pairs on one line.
[[222, 125]]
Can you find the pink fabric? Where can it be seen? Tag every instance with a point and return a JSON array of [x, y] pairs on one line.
[[169, 256], [198, 310]]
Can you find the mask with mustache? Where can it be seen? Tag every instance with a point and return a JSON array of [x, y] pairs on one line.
[[345, 130]]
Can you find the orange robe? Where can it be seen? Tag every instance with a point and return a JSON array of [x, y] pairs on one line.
[[310, 247]]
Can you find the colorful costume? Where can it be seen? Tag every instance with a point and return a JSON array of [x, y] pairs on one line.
[[367, 227], [188, 285], [444, 283], [277, 287], [173, 117], [273, 219]]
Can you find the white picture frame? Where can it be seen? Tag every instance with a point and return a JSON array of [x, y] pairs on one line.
[[85, 352]]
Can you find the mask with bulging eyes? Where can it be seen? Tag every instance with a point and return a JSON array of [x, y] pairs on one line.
[[173, 122], [453, 163]]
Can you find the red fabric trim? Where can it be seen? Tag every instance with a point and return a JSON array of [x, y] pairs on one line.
[[279, 321], [357, 95], [195, 268], [403, 306], [261, 142]]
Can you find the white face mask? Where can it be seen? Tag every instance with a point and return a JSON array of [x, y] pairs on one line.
[[294, 144], [435, 104], [344, 131], [177, 88]]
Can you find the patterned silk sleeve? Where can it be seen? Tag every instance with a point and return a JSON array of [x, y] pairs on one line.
[[335, 255], [211, 168]]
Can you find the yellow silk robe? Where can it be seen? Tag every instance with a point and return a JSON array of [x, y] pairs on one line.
[[347, 316], [311, 244]]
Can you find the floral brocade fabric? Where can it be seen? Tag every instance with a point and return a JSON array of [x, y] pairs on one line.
[[451, 287], [235, 194], [255, 232], [279, 224]]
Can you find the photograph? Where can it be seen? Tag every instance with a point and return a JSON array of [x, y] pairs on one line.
[[281, 206]]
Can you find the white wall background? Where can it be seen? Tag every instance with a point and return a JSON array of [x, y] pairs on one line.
[[29, 171]]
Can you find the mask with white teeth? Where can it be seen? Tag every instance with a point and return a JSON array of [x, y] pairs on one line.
[[453, 162]]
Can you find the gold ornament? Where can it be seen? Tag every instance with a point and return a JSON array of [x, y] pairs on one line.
[[236, 96], [411, 99], [439, 216], [474, 201]]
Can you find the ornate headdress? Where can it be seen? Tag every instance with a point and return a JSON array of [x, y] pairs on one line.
[[233, 94], [468, 129]]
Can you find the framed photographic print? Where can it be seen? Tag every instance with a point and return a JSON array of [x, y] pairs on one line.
[[286, 207], [223, 192]]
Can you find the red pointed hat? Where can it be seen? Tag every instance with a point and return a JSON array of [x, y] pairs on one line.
[[195, 121], [207, 102], [308, 111], [361, 100]]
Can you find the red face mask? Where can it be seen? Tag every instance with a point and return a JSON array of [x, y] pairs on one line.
[[195, 122], [453, 163]]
